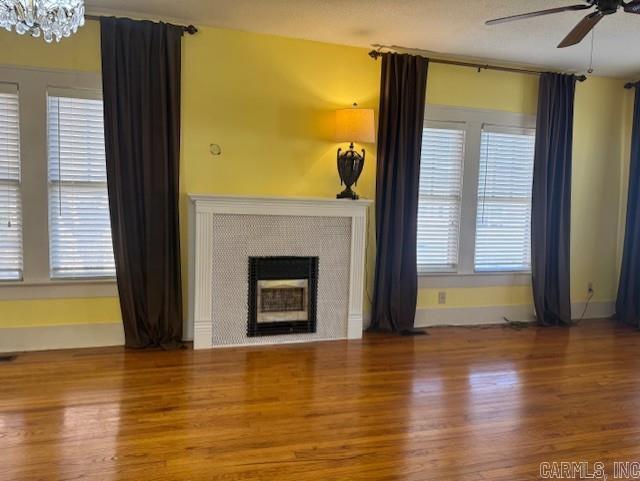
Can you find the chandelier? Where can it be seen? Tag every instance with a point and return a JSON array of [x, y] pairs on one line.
[[53, 19]]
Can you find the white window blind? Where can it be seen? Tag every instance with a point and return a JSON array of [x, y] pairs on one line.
[[79, 227], [440, 197], [503, 226], [10, 206]]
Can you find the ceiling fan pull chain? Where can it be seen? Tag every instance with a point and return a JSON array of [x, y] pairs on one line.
[[590, 71]]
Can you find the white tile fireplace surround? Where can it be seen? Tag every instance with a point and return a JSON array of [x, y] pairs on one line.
[[227, 232]]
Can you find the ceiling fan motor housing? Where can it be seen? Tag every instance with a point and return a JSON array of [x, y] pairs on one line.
[[608, 7]]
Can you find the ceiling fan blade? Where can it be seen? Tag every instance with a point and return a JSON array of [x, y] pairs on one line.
[[582, 29], [539, 13], [632, 7]]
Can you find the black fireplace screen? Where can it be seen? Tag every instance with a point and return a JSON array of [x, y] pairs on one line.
[[286, 299], [283, 295]]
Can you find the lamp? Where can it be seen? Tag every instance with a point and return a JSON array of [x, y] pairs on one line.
[[352, 125]]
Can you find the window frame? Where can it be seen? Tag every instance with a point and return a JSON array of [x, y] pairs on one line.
[[36, 283], [13, 89], [457, 126], [473, 119], [512, 201], [85, 94]]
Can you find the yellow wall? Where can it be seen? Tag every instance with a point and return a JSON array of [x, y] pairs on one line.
[[598, 154], [78, 52], [487, 89], [476, 296], [50, 312], [268, 102]]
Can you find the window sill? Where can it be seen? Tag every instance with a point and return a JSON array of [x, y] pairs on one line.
[[474, 279], [58, 289]]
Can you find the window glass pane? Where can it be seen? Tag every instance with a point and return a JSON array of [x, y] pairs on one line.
[[503, 226], [439, 200], [10, 205], [80, 231]]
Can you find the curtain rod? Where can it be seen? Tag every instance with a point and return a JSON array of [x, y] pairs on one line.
[[190, 29], [374, 54]]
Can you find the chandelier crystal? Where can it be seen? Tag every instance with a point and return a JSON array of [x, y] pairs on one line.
[[51, 19]]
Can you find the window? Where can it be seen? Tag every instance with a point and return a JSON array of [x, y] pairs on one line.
[[55, 238], [503, 226], [10, 202], [79, 227], [440, 197], [474, 210]]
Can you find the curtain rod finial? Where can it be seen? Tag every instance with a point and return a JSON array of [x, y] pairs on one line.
[[629, 85], [581, 78], [374, 54], [191, 29]]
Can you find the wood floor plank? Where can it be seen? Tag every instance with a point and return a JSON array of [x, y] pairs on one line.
[[459, 404]]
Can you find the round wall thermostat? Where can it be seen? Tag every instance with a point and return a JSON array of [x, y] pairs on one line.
[[215, 149]]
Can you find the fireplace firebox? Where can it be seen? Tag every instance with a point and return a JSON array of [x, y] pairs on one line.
[[283, 294]]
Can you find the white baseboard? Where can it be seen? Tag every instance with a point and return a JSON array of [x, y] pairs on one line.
[[112, 334], [596, 310], [470, 316], [61, 337]]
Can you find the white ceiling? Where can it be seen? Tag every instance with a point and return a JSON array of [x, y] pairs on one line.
[[453, 27]]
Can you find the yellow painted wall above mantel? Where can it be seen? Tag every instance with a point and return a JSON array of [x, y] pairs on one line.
[[269, 102]]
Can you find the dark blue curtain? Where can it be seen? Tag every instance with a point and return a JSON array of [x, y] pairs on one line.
[[551, 200], [628, 302], [401, 118]]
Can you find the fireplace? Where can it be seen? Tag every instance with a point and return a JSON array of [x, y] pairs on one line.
[[283, 295], [227, 230]]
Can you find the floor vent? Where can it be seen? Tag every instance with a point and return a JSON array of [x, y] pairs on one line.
[[7, 357]]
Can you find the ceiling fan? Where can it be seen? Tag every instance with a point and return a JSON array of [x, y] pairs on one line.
[[602, 8]]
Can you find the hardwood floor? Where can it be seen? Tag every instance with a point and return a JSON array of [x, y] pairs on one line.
[[460, 404]]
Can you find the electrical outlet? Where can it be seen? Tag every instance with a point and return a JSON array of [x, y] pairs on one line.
[[442, 297], [590, 287]]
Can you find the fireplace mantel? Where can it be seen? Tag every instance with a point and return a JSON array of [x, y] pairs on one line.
[[207, 211], [306, 206]]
